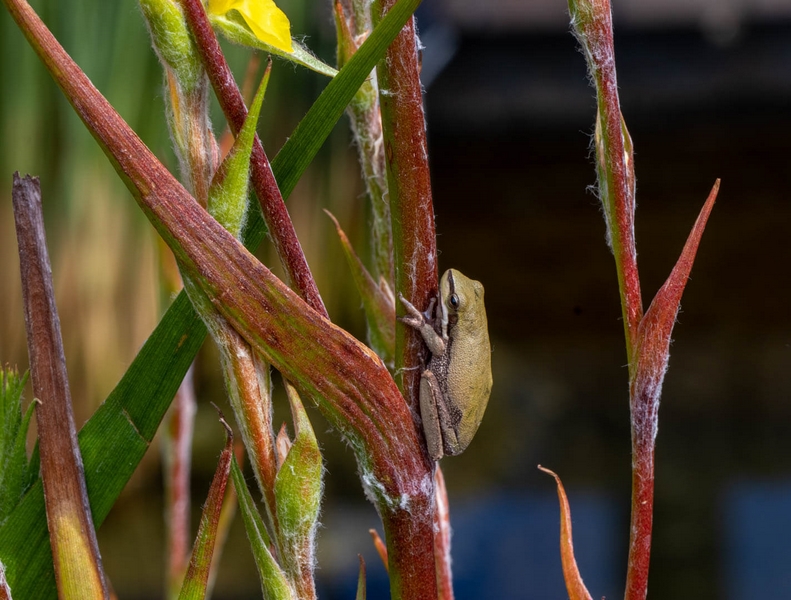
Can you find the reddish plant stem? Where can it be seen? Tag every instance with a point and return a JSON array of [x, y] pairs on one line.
[[642, 498], [410, 566], [619, 169], [409, 185], [652, 354], [75, 552], [196, 581], [278, 221], [410, 542]]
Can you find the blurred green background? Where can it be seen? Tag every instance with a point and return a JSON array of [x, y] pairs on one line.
[[706, 92]]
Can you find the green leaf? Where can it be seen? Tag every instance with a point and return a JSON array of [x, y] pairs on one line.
[[378, 302], [117, 436], [13, 434], [228, 190], [298, 484], [273, 581], [11, 387]]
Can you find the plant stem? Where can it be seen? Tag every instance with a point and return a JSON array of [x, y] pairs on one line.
[[409, 185], [177, 458], [410, 537], [642, 514]]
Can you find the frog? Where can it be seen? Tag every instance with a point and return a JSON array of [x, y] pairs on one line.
[[457, 381]]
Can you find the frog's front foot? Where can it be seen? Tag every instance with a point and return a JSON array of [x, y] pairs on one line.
[[414, 318], [422, 323]]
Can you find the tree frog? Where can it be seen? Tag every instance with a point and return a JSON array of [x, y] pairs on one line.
[[455, 386]]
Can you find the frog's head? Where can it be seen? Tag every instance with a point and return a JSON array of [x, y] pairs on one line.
[[461, 296]]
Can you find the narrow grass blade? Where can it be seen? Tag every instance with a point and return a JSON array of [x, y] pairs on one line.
[[378, 302], [196, 580], [13, 433]]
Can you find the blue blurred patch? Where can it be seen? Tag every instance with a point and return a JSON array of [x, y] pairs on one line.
[[757, 527], [507, 546]]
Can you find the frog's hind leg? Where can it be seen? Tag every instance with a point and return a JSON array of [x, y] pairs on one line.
[[430, 399]]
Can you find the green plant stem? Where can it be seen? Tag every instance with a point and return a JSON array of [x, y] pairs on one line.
[[353, 21], [249, 393]]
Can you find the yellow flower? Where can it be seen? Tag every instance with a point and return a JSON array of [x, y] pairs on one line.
[[267, 21]]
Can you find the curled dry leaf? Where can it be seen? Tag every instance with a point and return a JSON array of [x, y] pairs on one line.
[[576, 588]]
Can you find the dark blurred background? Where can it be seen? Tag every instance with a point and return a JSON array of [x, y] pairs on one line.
[[706, 92]]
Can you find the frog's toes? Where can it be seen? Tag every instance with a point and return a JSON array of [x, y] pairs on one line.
[[414, 322], [414, 314]]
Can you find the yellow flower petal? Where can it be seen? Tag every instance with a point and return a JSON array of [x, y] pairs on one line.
[[220, 7], [265, 20]]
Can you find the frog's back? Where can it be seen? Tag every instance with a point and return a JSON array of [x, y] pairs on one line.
[[470, 371]]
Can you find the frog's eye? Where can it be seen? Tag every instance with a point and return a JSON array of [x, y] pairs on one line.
[[454, 301]]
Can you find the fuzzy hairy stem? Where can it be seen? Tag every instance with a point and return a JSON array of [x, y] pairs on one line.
[[249, 392], [348, 382], [410, 541], [409, 184], [354, 24], [642, 512], [652, 354], [592, 24]]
